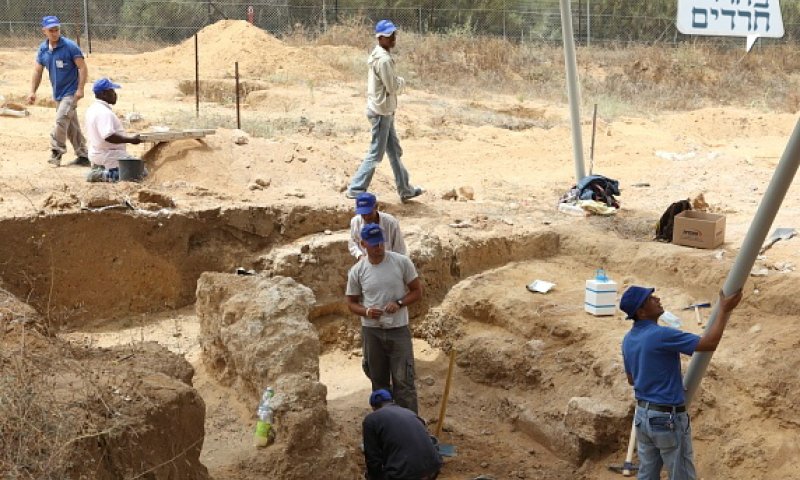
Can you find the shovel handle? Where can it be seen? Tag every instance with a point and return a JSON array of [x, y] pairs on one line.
[[697, 315], [443, 406]]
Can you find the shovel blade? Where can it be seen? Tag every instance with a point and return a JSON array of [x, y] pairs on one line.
[[446, 450]]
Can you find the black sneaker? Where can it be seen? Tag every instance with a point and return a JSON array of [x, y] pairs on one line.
[[55, 158], [417, 192], [82, 162]]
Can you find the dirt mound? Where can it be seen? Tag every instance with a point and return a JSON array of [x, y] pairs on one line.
[[260, 56]]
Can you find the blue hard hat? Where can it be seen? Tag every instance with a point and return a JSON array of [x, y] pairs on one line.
[[50, 21], [365, 203], [379, 396], [104, 84], [633, 299], [384, 28], [372, 234]]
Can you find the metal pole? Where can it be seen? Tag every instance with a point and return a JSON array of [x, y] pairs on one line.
[[591, 149], [588, 22], [504, 19], [238, 116], [196, 78], [765, 215], [86, 23], [572, 88]]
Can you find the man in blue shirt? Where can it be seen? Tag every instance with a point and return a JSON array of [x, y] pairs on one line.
[[651, 355], [68, 73]]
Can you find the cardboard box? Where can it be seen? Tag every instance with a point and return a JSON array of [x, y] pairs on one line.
[[699, 229]]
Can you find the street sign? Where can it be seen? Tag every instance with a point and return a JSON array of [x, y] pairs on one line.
[[731, 18]]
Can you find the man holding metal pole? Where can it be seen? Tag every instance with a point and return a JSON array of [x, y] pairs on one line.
[[652, 361]]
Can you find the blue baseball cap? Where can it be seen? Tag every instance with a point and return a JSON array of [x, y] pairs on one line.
[[633, 299], [372, 234], [104, 84], [50, 21], [378, 397], [384, 28], [365, 203]]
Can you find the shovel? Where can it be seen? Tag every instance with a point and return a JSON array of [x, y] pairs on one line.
[[446, 450]]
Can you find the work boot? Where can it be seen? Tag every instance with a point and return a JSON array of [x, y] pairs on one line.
[[81, 162], [55, 158], [352, 195], [416, 193]]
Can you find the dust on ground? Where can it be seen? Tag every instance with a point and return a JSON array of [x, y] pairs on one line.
[[515, 154]]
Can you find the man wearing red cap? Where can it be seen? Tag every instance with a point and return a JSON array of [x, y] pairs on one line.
[[651, 355], [68, 73]]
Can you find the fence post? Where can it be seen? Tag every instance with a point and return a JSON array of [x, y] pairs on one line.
[[504, 20], [324, 18], [86, 24], [588, 22], [419, 19]]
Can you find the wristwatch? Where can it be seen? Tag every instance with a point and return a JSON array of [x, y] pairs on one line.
[[400, 303]]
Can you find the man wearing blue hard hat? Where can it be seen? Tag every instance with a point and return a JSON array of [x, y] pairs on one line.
[[651, 355], [68, 72], [107, 137], [397, 445], [380, 288], [383, 86], [367, 212]]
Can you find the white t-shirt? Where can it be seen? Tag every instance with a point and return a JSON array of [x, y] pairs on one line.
[[380, 284], [391, 235], [101, 122]]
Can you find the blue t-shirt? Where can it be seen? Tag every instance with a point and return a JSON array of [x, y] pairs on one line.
[[651, 356], [60, 64]]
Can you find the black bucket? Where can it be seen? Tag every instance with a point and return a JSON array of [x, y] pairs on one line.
[[131, 170]]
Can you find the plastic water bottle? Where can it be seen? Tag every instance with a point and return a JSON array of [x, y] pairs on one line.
[[264, 432], [670, 319], [600, 275]]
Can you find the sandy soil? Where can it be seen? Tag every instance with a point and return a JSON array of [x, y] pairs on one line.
[[318, 136]]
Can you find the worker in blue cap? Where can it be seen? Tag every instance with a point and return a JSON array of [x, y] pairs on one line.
[[379, 290], [68, 72], [397, 445], [651, 355], [107, 137], [383, 87]]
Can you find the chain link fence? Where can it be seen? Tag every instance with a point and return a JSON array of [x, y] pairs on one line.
[[142, 22]]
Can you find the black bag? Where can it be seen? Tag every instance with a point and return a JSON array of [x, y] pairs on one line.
[[666, 224]]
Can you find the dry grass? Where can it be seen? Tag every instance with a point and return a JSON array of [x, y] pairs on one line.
[[621, 79], [220, 91]]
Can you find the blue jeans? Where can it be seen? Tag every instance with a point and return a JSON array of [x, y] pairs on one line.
[[664, 440], [384, 140]]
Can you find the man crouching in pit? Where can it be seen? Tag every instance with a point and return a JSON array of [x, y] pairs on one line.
[[107, 138]]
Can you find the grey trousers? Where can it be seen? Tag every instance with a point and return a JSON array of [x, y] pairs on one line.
[[389, 356], [67, 126]]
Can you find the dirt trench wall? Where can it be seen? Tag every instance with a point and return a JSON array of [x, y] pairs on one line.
[[255, 333], [77, 266], [322, 261], [99, 414]]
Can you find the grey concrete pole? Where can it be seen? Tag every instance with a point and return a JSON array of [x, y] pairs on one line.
[[572, 88], [773, 197]]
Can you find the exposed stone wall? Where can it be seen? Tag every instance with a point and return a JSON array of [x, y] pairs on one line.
[[256, 333]]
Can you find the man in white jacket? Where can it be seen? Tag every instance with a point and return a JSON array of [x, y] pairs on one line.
[[383, 86], [367, 212]]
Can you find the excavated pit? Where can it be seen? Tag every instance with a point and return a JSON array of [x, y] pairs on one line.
[[536, 369]]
